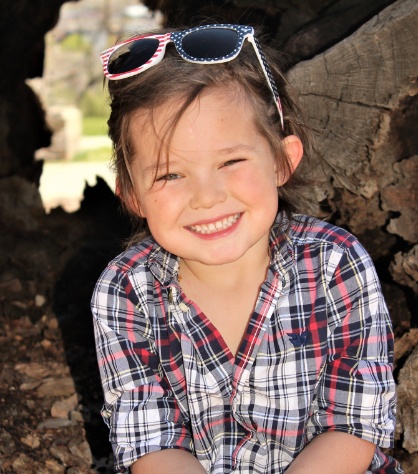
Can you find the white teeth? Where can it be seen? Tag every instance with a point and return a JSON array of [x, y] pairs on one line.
[[215, 226]]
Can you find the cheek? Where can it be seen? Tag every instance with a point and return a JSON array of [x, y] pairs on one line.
[[258, 185], [158, 207]]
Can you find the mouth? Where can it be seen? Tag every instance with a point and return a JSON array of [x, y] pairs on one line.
[[217, 226]]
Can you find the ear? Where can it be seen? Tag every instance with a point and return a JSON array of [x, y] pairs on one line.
[[294, 152]]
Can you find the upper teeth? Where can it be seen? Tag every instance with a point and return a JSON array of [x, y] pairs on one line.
[[215, 226]]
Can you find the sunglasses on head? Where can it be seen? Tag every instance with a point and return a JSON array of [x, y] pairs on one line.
[[209, 44]]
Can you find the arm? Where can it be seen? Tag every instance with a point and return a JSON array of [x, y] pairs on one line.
[[140, 409], [333, 452], [173, 461], [353, 406]]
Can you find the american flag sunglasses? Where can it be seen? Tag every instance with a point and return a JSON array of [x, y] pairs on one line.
[[209, 44]]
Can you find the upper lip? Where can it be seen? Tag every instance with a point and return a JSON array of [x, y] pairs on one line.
[[211, 221]]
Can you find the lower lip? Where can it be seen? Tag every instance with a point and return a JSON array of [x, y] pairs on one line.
[[217, 235]]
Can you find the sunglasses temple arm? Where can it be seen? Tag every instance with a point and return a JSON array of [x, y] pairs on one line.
[[268, 74]]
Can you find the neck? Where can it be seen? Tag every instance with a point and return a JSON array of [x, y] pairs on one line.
[[229, 275]]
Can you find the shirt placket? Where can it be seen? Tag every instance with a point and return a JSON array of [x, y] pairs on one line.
[[270, 293]]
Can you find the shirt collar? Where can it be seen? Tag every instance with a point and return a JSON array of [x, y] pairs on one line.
[[164, 265], [281, 248]]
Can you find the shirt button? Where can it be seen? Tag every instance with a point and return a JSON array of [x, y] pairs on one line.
[[183, 307], [284, 282], [106, 413]]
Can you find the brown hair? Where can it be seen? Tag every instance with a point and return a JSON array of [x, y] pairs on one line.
[[176, 79]]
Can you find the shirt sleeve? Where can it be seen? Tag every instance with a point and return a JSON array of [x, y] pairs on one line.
[[356, 391], [140, 410]]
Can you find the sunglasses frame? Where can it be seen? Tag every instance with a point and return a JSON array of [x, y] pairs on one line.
[[244, 32]]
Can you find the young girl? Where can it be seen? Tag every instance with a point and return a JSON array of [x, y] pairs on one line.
[[238, 336]]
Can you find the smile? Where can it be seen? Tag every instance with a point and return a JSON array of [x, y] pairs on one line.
[[217, 226]]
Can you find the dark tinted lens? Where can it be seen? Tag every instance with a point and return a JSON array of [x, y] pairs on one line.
[[132, 55], [210, 44]]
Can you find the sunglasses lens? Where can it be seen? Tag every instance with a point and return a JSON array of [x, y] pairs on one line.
[[132, 55], [212, 43]]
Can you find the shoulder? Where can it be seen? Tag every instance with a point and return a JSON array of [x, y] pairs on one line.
[[306, 229], [311, 241], [120, 269], [124, 282], [330, 249], [133, 258]]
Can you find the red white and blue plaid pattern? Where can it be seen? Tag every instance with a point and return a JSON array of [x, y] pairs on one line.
[[316, 356]]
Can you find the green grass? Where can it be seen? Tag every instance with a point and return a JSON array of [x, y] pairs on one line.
[[94, 126], [75, 42], [99, 154]]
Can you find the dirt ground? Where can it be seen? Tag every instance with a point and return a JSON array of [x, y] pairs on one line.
[[50, 393]]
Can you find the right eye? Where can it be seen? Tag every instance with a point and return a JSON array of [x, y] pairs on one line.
[[168, 177]]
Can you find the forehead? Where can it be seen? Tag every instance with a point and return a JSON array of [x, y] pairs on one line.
[[217, 120]]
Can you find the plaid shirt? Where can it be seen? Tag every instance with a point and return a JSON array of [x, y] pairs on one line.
[[316, 356]]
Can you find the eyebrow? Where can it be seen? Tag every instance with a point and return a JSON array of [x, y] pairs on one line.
[[233, 149], [154, 167]]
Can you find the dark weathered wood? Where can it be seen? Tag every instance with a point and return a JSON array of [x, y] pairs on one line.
[[355, 93], [332, 23]]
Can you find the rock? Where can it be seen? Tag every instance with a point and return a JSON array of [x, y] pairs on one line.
[[40, 371], [7, 445], [405, 344], [53, 323], [52, 467], [55, 423], [40, 300], [62, 453], [408, 402], [402, 197], [27, 386], [76, 416], [21, 464], [33, 369], [404, 268], [62, 408], [82, 451], [46, 344], [31, 440], [56, 387]]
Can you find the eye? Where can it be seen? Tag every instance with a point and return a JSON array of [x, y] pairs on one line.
[[233, 162], [168, 177]]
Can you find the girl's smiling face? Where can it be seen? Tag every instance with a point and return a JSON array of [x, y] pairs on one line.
[[216, 201]]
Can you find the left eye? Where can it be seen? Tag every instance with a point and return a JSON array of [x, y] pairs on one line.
[[232, 162]]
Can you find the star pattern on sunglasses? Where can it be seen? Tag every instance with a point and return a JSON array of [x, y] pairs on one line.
[[208, 44]]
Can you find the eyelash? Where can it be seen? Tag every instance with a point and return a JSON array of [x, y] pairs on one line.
[[168, 177], [232, 162], [174, 176]]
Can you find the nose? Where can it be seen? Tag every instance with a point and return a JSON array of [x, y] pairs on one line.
[[207, 191]]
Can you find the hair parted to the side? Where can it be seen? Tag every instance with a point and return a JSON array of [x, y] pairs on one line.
[[179, 82]]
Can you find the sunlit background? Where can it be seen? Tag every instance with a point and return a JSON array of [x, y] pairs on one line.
[[72, 94]]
